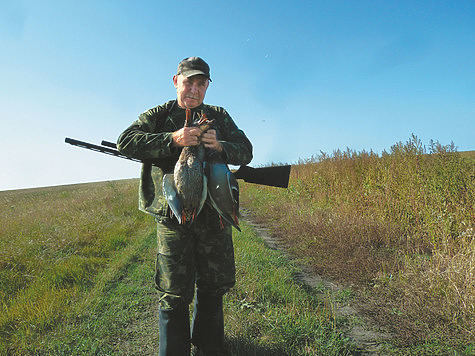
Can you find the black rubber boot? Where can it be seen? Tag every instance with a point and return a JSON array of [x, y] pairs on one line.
[[208, 324], [174, 332]]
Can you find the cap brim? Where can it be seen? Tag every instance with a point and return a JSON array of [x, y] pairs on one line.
[[191, 73]]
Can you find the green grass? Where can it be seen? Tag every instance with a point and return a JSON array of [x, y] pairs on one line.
[[81, 284], [56, 242], [117, 316], [269, 313]]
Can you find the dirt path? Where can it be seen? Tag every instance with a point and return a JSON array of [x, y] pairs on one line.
[[364, 332]]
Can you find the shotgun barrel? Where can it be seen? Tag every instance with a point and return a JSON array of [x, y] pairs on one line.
[[102, 149], [275, 176]]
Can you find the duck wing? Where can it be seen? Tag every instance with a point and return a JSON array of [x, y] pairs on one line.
[[204, 194], [171, 195]]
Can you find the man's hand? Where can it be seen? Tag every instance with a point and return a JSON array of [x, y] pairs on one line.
[[210, 141], [187, 136]]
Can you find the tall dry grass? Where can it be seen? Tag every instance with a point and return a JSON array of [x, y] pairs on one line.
[[398, 225]]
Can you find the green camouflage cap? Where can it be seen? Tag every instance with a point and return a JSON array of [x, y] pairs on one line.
[[193, 66]]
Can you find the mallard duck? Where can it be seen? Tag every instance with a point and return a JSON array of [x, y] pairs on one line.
[[186, 189]]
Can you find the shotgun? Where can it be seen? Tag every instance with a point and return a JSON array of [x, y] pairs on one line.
[[275, 176]]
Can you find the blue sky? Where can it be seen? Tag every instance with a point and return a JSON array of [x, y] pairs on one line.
[[299, 77]]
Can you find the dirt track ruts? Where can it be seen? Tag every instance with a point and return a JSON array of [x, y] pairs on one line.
[[364, 332]]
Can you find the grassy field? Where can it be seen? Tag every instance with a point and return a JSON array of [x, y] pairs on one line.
[[396, 227], [77, 279], [55, 244], [77, 262]]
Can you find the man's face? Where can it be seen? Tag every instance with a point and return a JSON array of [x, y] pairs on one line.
[[190, 92]]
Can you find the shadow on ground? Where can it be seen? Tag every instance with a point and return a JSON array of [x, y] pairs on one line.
[[242, 347]]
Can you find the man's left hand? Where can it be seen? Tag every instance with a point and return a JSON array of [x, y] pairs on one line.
[[210, 141]]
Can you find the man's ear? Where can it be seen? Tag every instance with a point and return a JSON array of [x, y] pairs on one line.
[[175, 80]]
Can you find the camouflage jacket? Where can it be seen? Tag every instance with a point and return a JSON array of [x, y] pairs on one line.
[[150, 140]]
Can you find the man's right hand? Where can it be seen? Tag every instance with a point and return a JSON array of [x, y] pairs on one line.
[[187, 136]]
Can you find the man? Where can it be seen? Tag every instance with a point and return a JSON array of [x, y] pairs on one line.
[[198, 254]]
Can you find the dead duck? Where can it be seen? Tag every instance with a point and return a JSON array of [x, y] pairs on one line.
[[186, 189], [223, 190], [198, 177]]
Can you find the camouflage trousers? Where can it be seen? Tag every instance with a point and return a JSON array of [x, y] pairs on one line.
[[199, 254]]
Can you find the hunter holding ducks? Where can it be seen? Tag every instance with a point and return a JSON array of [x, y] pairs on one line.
[[195, 257]]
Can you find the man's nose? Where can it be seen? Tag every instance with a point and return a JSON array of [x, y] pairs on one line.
[[194, 88]]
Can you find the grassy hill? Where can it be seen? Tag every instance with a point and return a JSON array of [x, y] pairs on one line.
[[398, 228], [470, 155], [77, 262]]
